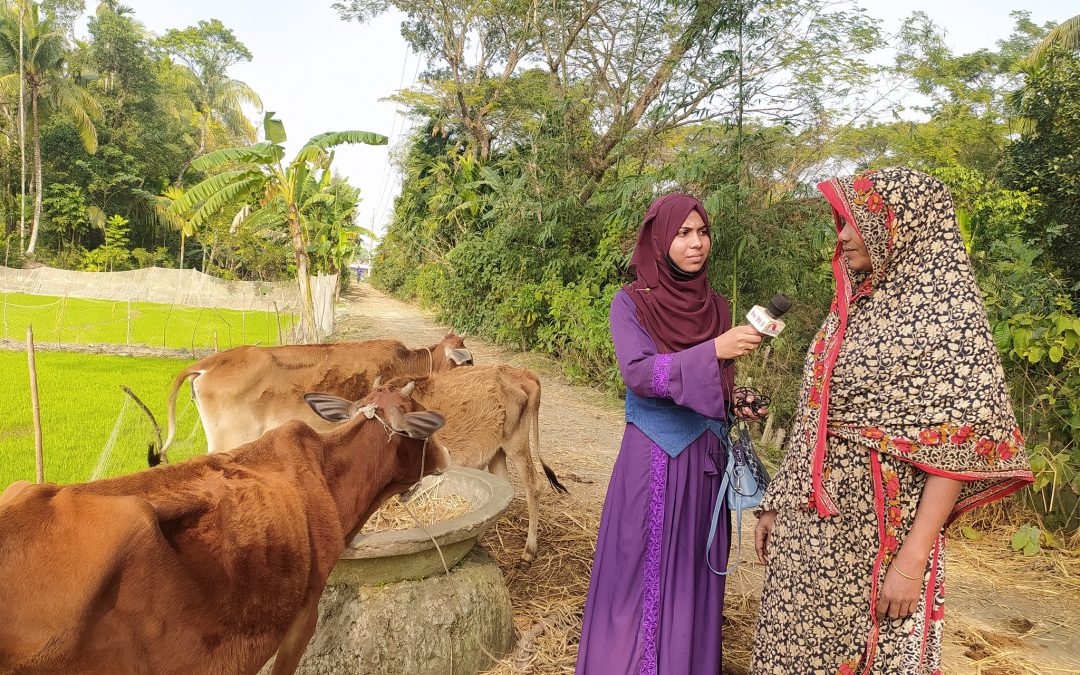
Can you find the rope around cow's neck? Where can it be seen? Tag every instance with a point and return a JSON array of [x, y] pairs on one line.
[[431, 360]]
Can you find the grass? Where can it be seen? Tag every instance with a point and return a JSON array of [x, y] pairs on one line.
[[82, 321], [82, 406]]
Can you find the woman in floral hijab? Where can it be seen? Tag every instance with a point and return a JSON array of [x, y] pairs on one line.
[[905, 423]]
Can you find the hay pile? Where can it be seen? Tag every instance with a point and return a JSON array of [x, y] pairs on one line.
[[428, 508]]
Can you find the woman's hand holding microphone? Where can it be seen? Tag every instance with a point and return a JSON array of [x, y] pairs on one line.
[[739, 341]]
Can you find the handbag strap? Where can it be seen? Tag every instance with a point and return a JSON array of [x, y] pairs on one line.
[[721, 495]]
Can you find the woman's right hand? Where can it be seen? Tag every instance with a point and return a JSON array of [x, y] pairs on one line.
[[763, 533], [739, 341]]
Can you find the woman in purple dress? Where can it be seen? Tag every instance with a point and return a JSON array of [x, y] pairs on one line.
[[654, 606]]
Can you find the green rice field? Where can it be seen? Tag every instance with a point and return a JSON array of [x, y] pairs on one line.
[[89, 424], [83, 321]]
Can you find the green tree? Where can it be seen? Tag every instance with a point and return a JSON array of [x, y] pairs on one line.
[[208, 50], [1046, 160], [262, 176], [47, 86], [113, 255]]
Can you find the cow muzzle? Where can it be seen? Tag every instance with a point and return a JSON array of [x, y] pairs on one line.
[[439, 457]]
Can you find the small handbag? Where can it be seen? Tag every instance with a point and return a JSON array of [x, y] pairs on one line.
[[743, 486]]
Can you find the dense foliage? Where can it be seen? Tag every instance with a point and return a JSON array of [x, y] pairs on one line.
[[545, 130], [115, 124]]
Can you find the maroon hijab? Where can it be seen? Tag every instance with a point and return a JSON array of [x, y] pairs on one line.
[[677, 312]]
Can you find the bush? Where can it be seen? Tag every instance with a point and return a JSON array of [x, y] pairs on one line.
[[10, 254]]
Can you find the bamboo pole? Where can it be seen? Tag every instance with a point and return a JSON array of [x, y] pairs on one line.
[[35, 404], [277, 315]]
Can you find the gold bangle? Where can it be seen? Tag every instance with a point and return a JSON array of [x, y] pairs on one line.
[[901, 573]]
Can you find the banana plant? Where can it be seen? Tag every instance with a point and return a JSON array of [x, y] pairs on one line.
[[258, 176]]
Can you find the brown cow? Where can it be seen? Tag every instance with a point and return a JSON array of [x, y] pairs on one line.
[[208, 566], [244, 392], [489, 411]]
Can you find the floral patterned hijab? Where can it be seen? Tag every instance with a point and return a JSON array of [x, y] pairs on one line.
[[905, 362]]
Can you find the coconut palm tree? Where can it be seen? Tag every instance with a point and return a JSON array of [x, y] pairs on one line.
[[47, 87], [1066, 35], [277, 194], [204, 54]]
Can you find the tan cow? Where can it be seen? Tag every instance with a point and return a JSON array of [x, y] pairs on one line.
[[208, 566], [244, 392], [489, 411]]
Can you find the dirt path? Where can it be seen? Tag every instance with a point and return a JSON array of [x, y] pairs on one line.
[[1005, 614]]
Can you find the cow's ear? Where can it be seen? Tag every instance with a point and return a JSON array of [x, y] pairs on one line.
[[416, 424], [459, 356], [329, 407], [422, 424]]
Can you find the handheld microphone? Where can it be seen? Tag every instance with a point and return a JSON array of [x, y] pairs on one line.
[[766, 320]]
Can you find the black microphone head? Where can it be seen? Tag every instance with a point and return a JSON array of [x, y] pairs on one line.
[[779, 304]]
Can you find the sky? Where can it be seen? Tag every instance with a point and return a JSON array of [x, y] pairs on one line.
[[320, 73]]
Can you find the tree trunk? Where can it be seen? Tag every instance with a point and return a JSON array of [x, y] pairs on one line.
[[182, 240], [22, 135], [308, 333], [35, 132]]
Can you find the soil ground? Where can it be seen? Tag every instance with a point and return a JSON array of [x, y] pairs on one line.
[[1005, 614]]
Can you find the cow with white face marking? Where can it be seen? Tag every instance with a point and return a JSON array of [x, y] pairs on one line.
[[244, 392]]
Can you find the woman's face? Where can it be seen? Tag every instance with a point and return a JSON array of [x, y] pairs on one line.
[[854, 249], [690, 248]]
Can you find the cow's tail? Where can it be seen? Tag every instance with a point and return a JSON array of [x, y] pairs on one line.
[[152, 457], [534, 407], [161, 456]]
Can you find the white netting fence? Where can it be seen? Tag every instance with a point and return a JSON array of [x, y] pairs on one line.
[[156, 307], [125, 448]]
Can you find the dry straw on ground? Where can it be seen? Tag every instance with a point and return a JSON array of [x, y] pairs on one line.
[[549, 596]]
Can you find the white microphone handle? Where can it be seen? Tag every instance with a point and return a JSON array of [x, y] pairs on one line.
[[763, 323]]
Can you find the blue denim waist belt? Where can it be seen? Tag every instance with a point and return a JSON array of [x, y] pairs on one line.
[[671, 426]]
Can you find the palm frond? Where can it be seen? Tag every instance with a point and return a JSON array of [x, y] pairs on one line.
[[318, 145], [1066, 35], [206, 189], [260, 153], [226, 195], [167, 219], [264, 218], [9, 86], [80, 106], [96, 216], [235, 92]]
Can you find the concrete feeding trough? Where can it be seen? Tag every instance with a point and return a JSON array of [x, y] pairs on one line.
[[397, 555], [389, 607]]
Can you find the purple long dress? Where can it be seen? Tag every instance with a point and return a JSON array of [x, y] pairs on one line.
[[653, 605]]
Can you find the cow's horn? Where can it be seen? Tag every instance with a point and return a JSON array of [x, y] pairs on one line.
[[377, 382], [407, 390]]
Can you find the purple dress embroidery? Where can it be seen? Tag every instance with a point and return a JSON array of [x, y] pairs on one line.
[[653, 606]]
